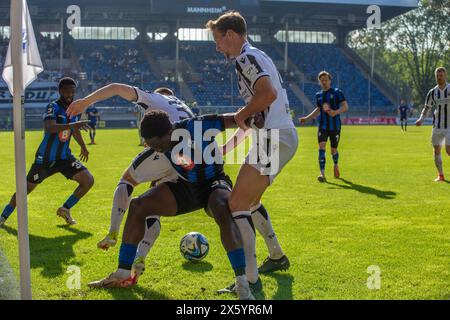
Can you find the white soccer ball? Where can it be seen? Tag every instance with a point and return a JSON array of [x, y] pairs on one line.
[[194, 246]]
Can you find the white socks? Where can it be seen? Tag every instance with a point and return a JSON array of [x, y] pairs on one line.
[[152, 230], [262, 222], [245, 225], [121, 201]]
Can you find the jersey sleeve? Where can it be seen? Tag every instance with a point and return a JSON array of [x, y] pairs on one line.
[[144, 99], [429, 101], [252, 68], [51, 112], [340, 96]]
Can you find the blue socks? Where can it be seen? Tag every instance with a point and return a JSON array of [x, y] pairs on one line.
[[7, 211], [237, 260], [70, 202], [127, 254], [322, 160], [336, 158]]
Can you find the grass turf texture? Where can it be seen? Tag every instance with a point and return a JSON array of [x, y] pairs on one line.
[[385, 211]]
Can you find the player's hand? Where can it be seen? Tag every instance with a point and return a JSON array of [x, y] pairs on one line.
[[332, 113], [419, 122], [80, 125], [240, 121], [302, 120], [326, 107], [77, 107], [84, 155]]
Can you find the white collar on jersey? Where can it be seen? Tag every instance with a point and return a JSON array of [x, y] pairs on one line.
[[246, 44]]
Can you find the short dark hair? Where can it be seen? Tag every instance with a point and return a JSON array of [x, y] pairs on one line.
[[164, 91], [156, 123], [66, 81], [231, 20]]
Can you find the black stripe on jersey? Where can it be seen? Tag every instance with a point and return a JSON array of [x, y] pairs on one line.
[[439, 93], [439, 117], [239, 69], [141, 158], [434, 121], [445, 115], [48, 148], [143, 105], [445, 93], [253, 61]]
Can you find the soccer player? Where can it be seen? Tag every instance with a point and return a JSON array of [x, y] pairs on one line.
[[191, 148], [261, 87], [403, 110], [93, 117], [54, 155], [330, 104], [439, 99]]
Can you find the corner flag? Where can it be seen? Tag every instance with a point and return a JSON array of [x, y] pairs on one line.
[[22, 65]]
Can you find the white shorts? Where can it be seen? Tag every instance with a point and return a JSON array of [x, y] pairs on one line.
[[440, 136], [282, 144], [149, 166]]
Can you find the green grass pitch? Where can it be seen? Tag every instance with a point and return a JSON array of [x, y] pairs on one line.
[[386, 211]]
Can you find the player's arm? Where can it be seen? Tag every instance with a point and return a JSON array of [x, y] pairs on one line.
[[238, 136], [313, 114], [84, 154], [341, 110], [427, 107], [265, 95], [51, 126], [111, 90]]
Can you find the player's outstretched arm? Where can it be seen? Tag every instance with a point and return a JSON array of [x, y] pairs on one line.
[[265, 95], [111, 90], [423, 115], [51, 126], [313, 114]]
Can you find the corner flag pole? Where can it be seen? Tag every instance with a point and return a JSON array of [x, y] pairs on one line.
[[19, 147]]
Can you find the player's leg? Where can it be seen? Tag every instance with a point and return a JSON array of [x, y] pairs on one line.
[[74, 170], [250, 186], [152, 231], [94, 131], [406, 124], [334, 140], [437, 139], [276, 260], [91, 136], [9, 208], [322, 161], [158, 201]]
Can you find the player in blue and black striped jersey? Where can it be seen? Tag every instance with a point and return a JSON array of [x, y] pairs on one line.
[[54, 155], [403, 110], [330, 104], [202, 184], [93, 117]]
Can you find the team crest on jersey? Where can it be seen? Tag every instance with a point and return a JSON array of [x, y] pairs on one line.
[[184, 162]]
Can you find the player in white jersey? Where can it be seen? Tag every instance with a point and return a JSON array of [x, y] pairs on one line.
[[147, 166], [439, 99], [261, 87]]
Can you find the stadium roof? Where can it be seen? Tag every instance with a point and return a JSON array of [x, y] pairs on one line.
[[300, 14]]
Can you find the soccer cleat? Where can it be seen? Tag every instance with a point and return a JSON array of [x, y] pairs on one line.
[[2, 221], [113, 281], [65, 214], [270, 265], [243, 290], [109, 241], [138, 268], [254, 287], [322, 178], [439, 178], [337, 174]]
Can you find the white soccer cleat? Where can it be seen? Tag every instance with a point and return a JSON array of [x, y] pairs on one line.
[[138, 268], [65, 214], [114, 280], [109, 241], [2, 221], [242, 288]]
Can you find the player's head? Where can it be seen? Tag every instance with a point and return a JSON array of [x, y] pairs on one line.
[[441, 76], [325, 78], [164, 91], [156, 129], [229, 33], [66, 89], [402, 102]]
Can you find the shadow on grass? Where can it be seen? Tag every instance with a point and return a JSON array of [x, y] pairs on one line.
[[387, 195], [51, 253], [136, 293], [200, 266], [284, 285]]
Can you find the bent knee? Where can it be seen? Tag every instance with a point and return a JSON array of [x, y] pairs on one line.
[[238, 204]]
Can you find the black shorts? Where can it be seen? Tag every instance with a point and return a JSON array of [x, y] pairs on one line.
[[192, 196], [92, 125], [68, 168], [403, 118], [334, 136]]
